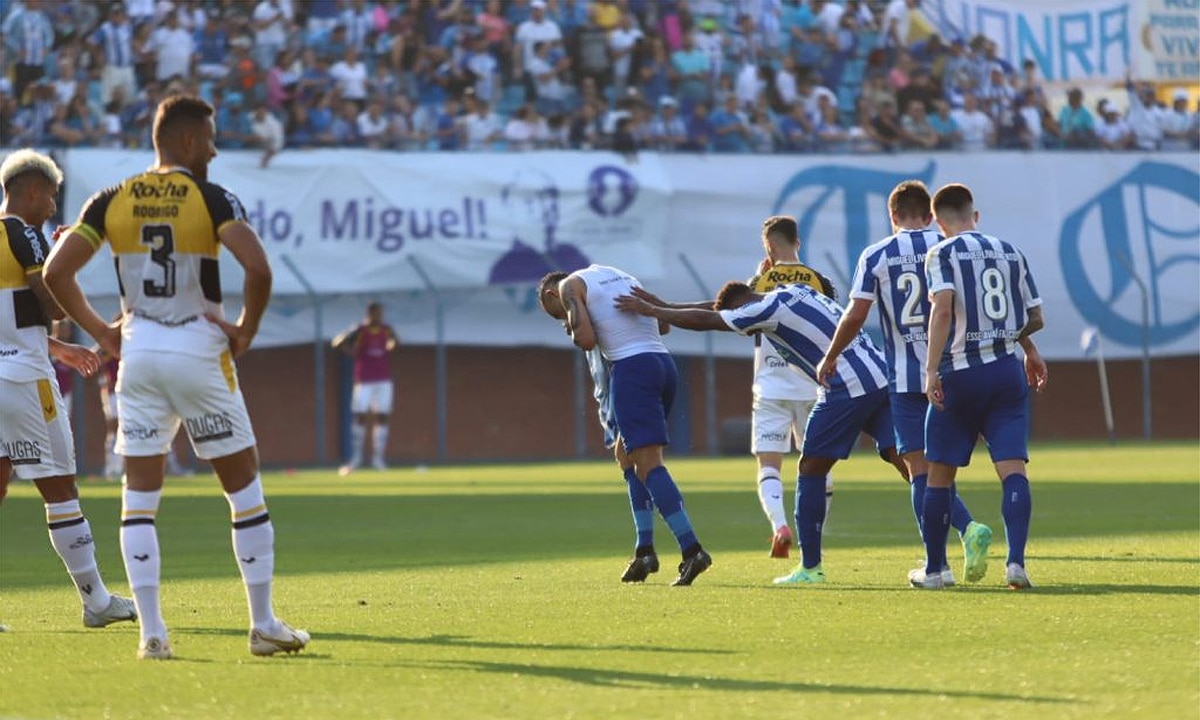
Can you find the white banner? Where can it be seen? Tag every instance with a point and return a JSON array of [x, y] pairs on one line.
[[354, 220], [1168, 40], [1070, 40], [1097, 228]]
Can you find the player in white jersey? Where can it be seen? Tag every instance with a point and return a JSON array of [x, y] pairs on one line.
[[984, 303], [799, 322], [890, 273], [35, 431], [643, 385], [166, 227]]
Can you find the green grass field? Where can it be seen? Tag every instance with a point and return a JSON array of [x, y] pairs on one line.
[[493, 592]]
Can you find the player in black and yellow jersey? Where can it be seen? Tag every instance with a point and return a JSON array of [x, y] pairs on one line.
[[35, 432], [782, 396], [165, 227]]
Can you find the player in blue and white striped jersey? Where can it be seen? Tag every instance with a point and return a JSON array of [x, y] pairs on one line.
[[799, 322], [891, 273], [984, 303]]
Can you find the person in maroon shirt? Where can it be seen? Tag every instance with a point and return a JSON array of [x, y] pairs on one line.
[[369, 343]]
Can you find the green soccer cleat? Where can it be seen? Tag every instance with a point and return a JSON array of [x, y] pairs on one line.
[[802, 576], [975, 542]]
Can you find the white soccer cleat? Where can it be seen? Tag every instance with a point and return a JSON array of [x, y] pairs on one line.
[[347, 469], [154, 649], [119, 609], [285, 639], [918, 579], [1016, 577]]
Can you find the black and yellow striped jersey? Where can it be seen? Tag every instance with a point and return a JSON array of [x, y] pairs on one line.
[[24, 353], [163, 226]]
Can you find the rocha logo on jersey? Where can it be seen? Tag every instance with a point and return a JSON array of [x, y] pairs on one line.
[[611, 190], [1127, 217], [818, 190]]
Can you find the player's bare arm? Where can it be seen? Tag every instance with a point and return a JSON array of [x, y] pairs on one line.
[[347, 341], [247, 249], [940, 313], [573, 292], [67, 258], [1036, 372], [848, 328], [653, 299], [84, 361], [686, 318], [393, 339], [1034, 323], [44, 297]]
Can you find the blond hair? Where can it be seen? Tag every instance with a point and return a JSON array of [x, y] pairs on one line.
[[28, 160]]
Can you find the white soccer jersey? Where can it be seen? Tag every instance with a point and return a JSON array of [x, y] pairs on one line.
[[24, 354], [993, 290], [800, 323], [619, 334], [891, 273]]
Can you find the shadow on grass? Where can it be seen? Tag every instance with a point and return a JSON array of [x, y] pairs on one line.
[[655, 681], [466, 641]]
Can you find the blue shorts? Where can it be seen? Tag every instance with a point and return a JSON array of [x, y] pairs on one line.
[[834, 424], [988, 400], [643, 388], [908, 415]]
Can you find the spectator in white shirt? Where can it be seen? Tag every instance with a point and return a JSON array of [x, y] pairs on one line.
[[481, 125], [1144, 117], [538, 28], [622, 44], [173, 50], [1112, 132], [350, 76], [896, 20], [270, 23], [1177, 122], [525, 131], [667, 131], [373, 125], [978, 132], [269, 132]]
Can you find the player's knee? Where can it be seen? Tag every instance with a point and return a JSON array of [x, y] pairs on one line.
[[60, 488]]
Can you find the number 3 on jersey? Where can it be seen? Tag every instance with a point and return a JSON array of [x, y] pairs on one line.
[[161, 240]]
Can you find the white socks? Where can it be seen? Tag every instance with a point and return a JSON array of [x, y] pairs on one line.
[[71, 536], [770, 494], [139, 548], [379, 441], [358, 434], [254, 548]]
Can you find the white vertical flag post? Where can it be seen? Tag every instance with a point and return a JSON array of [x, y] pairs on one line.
[[1090, 342]]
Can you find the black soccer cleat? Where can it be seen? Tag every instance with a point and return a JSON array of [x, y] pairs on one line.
[[691, 568], [640, 568]]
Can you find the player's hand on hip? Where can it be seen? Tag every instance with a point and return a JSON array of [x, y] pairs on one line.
[[239, 337], [110, 340], [825, 370], [933, 391], [1035, 372]]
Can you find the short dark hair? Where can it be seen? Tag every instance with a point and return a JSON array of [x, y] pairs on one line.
[[179, 111], [549, 280], [731, 293], [784, 225], [909, 199], [954, 200]]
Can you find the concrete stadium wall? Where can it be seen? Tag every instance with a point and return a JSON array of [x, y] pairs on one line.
[[519, 404]]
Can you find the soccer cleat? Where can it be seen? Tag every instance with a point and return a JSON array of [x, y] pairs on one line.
[[1016, 578], [975, 542], [802, 576], [691, 568], [289, 640], [781, 542], [119, 609], [347, 469], [918, 579], [154, 649], [947, 577], [640, 568]]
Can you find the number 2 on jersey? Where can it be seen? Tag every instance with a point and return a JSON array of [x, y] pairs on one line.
[[910, 284], [161, 240]]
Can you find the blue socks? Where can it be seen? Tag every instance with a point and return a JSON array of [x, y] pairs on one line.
[[960, 516], [643, 510], [935, 521], [1017, 508], [810, 515], [669, 501]]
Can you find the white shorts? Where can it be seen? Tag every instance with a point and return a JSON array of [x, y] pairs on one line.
[[373, 397], [157, 390], [778, 425], [36, 429]]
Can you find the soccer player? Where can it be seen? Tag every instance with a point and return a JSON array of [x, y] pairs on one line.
[[369, 343], [642, 384], [799, 322], [891, 272], [35, 430], [782, 396], [984, 303], [165, 227]]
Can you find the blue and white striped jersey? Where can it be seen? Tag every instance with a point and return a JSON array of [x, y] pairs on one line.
[[891, 273], [993, 289], [799, 322]]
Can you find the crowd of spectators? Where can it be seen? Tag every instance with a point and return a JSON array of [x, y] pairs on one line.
[[732, 76]]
